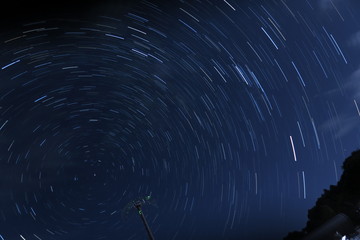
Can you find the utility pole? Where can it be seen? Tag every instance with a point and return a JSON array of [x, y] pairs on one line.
[[138, 205]]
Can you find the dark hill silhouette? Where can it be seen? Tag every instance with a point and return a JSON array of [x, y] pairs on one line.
[[343, 198]]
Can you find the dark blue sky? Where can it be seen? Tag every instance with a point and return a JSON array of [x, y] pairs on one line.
[[233, 115]]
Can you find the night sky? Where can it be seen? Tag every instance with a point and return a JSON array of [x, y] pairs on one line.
[[232, 115]]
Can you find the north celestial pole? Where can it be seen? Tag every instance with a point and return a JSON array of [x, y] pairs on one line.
[[233, 115]]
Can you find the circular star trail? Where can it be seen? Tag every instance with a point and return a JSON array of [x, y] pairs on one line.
[[232, 115]]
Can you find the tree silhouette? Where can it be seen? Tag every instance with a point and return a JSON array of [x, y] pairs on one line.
[[341, 198]]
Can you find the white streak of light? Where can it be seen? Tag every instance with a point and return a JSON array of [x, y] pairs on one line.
[[37, 236], [230, 5], [293, 148], [357, 108], [256, 184], [316, 135], [303, 175]]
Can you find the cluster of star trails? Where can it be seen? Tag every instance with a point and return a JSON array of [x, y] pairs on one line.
[[215, 105]]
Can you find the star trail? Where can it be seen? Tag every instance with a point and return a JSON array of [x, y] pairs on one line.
[[232, 115]]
